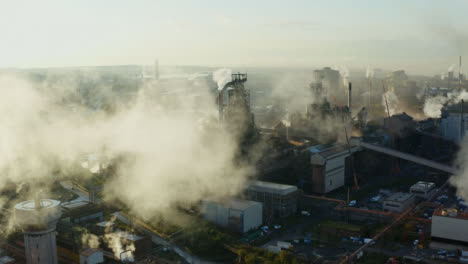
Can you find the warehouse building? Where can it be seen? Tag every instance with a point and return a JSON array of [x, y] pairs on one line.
[[450, 226], [91, 256], [329, 166], [398, 202], [279, 200], [235, 214], [423, 190]]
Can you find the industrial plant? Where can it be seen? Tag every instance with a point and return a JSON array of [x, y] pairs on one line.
[[249, 133]]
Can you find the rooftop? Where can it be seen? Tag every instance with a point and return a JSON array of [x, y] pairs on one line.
[[90, 251], [423, 186], [399, 197], [329, 150], [450, 212], [105, 223], [128, 236], [236, 204], [271, 187]]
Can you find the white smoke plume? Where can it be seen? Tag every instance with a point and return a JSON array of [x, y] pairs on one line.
[[114, 241], [433, 105], [90, 240], [344, 72], [173, 149], [222, 77], [393, 102], [451, 68], [369, 72]]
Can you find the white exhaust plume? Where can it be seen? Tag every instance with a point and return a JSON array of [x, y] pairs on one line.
[[393, 103], [433, 105], [171, 154], [222, 77], [369, 72], [451, 68], [344, 72]]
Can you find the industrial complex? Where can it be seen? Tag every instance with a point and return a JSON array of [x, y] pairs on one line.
[[301, 160]]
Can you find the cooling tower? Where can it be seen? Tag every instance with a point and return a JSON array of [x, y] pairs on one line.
[[38, 219]]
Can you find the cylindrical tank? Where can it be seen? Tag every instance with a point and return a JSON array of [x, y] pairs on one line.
[[38, 218]]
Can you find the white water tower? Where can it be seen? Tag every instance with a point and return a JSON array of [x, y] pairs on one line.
[[38, 218]]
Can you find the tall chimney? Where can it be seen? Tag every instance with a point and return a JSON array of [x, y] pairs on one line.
[[459, 74], [349, 96], [462, 130]]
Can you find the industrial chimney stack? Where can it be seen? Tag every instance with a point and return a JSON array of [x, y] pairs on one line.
[[460, 73], [349, 96]]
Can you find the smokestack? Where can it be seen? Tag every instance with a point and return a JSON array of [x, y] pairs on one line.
[[462, 130], [459, 74], [156, 70], [349, 96]]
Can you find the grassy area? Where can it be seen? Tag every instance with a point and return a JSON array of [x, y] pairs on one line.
[[254, 255]]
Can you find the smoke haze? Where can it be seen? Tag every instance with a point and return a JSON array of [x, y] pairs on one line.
[[174, 152]]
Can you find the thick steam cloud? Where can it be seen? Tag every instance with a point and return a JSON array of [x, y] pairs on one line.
[[171, 150], [433, 105]]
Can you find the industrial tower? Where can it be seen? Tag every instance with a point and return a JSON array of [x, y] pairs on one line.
[[38, 219], [234, 108]]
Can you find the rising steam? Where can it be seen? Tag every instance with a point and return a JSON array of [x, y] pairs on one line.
[[433, 105], [222, 77], [172, 150], [393, 102]]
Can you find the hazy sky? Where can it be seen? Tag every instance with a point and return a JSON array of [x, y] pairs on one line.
[[420, 36]]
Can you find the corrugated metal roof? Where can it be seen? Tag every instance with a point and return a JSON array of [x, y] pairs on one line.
[[271, 187]]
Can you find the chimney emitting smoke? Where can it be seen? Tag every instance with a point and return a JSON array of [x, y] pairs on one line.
[[349, 96]]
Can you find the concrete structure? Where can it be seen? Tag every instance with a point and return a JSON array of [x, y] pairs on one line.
[[448, 225], [453, 127], [91, 256], [398, 202], [329, 79], [423, 190], [82, 214], [38, 218], [279, 200], [235, 214], [329, 166]]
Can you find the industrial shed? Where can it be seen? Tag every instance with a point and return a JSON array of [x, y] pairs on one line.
[[235, 214]]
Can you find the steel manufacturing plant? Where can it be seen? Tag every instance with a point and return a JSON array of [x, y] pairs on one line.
[[296, 132]]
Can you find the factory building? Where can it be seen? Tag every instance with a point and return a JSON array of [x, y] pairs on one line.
[[399, 124], [235, 214], [91, 256], [398, 202], [328, 79], [453, 127], [423, 190], [279, 200], [329, 166], [38, 219], [450, 226]]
